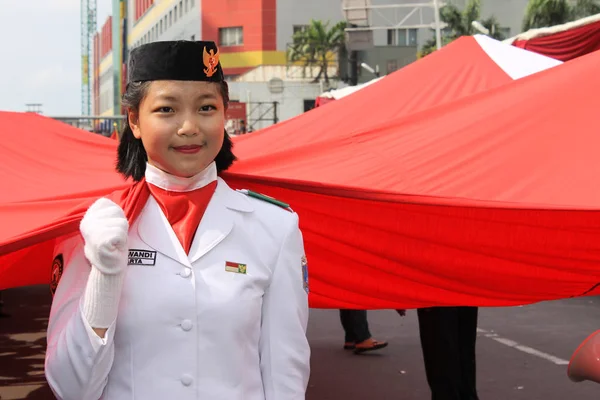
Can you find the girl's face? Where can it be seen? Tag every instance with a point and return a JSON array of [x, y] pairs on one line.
[[181, 125]]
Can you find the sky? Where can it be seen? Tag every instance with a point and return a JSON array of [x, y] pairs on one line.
[[40, 42]]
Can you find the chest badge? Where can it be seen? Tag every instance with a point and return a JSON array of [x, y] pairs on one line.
[[235, 267], [141, 257]]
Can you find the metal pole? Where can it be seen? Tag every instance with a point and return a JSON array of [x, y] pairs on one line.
[[438, 31]]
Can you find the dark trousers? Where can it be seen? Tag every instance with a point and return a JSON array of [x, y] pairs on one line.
[[448, 336], [355, 325]]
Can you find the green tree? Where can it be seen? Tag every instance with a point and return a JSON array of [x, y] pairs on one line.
[[316, 44], [459, 23], [585, 8], [546, 13]]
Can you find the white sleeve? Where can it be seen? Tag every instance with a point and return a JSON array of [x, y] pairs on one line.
[[77, 360], [284, 348]]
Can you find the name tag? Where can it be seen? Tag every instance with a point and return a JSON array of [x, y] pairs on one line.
[[142, 257]]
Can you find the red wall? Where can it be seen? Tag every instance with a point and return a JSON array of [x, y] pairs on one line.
[[106, 38], [141, 6], [256, 17]]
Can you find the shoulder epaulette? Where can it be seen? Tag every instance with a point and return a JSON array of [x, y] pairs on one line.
[[266, 198]]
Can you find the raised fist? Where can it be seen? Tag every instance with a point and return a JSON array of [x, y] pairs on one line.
[[104, 229]]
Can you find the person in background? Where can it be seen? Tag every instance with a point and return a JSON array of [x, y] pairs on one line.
[[357, 335], [448, 339]]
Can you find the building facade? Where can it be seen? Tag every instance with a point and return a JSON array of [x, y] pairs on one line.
[[250, 33], [161, 20], [103, 75], [253, 34]]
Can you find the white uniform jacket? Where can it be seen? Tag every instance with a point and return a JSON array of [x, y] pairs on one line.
[[190, 328]]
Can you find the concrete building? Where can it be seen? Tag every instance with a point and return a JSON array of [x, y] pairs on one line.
[[159, 20], [250, 33], [103, 75], [253, 36], [508, 12]]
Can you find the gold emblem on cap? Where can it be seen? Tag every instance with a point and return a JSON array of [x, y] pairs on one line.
[[211, 61]]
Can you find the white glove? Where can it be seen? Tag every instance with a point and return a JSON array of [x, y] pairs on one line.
[[104, 229]]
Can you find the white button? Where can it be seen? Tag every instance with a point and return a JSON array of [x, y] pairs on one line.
[[186, 273], [186, 325], [187, 380]]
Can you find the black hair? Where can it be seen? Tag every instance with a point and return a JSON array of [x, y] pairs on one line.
[[131, 155]]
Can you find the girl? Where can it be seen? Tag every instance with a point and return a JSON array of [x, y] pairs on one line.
[[180, 287]]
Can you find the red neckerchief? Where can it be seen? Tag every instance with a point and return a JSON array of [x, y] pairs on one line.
[[183, 210]]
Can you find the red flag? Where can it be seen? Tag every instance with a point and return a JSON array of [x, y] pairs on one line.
[[450, 194]]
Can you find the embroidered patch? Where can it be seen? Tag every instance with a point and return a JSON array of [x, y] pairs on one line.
[[305, 274], [56, 273], [235, 267], [211, 62], [142, 257]]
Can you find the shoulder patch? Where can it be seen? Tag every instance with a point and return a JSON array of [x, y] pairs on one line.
[[57, 271], [305, 274], [266, 198]]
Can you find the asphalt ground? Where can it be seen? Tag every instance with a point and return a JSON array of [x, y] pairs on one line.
[[521, 352]]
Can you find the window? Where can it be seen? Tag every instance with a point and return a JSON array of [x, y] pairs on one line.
[[160, 27], [299, 28], [187, 3], [170, 18], [231, 36], [175, 19], [166, 23], [191, 3], [402, 37], [309, 105], [180, 9]]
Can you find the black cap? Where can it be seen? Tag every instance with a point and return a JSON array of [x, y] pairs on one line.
[[180, 60]]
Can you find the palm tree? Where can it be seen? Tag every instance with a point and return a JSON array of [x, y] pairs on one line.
[[541, 13], [459, 23], [545, 13], [314, 45], [585, 8]]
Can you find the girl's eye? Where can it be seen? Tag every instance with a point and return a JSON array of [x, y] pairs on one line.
[[164, 109], [207, 108]]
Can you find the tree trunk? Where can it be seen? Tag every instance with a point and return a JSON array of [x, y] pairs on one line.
[[318, 76]]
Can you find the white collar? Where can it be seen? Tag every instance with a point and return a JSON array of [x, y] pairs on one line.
[[174, 183]]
